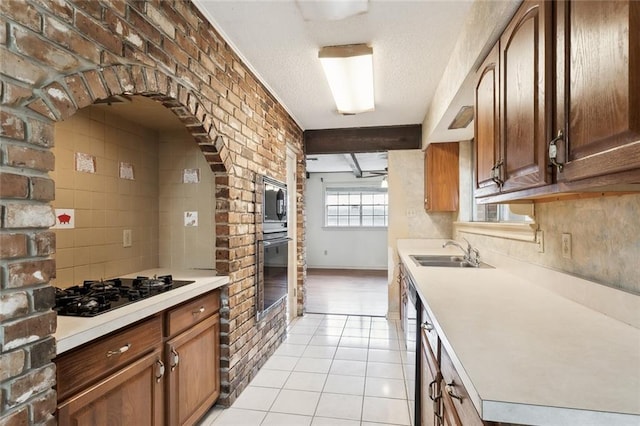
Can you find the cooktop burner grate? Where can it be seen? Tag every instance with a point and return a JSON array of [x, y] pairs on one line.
[[96, 297]]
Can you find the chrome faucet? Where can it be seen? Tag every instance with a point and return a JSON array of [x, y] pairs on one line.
[[471, 254]]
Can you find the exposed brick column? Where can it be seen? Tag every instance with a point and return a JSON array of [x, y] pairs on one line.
[[26, 266]]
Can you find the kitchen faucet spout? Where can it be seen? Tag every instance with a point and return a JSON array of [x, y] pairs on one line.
[[471, 254]]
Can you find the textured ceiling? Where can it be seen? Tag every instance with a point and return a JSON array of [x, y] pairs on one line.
[[411, 43]]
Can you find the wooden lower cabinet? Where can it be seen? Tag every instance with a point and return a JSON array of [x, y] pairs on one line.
[[449, 416], [455, 392], [193, 381], [430, 382], [138, 377], [131, 396]]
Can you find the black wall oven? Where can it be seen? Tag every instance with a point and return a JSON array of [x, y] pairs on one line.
[[272, 286], [274, 206], [272, 247]]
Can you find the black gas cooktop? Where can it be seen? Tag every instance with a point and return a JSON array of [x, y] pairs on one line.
[[96, 297]]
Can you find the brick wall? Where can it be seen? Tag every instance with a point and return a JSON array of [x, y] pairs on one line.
[[57, 57]]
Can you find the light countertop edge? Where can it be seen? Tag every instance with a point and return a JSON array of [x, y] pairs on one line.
[[72, 332], [499, 409]]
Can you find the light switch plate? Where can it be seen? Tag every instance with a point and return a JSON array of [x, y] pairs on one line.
[[566, 246], [540, 240], [126, 238]]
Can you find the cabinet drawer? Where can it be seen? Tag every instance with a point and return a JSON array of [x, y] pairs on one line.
[[92, 362], [192, 312], [453, 386]]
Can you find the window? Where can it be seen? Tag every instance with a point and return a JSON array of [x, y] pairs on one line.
[[356, 207], [501, 213]]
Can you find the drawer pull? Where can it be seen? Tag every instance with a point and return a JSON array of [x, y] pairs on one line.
[[449, 388], [176, 359], [199, 311], [159, 370], [426, 326], [432, 386], [119, 351]]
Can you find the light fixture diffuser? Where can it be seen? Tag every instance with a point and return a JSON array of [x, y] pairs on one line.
[[349, 71]]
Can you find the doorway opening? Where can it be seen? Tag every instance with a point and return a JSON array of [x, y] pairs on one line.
[[347, 292]]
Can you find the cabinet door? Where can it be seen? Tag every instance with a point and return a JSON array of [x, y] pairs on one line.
[[598, 87], [131, 396], [525, 84], [455, 394], [193, 380], [441, 177], [449, 412], [430, 386], [486, 122]]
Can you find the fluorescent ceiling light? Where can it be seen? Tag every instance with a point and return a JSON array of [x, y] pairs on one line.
[[331, 10], [349, 71]]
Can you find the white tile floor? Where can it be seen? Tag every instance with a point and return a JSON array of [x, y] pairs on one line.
[[333, 370]]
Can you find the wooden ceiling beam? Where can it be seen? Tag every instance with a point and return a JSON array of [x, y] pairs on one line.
[[362, 139]]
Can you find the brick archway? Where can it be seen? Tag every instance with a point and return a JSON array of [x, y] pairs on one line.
[[69, 93], [62, 98]]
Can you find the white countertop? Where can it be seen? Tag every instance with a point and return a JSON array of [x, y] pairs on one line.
[[75, 331], [526, 354]]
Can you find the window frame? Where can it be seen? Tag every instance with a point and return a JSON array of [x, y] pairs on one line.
[[353, 187]]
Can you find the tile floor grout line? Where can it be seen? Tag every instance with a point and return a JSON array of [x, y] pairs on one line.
[[393, 345]]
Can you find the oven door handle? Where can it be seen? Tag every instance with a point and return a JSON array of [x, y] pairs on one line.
[[275, 241]]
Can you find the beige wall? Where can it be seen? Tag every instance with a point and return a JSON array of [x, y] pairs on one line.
[[104, 204], [407, 216], [605, 234], [476, 40], [185, 246]]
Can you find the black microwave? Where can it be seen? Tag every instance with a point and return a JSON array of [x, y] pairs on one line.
[[274, 206]]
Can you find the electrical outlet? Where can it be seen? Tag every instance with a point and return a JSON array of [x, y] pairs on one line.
[[126, 238], [566, 246], [540, 240]]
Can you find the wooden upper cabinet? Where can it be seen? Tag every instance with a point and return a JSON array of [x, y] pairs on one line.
[[598, 87], [525, 108], [486, 122], [441, 174]]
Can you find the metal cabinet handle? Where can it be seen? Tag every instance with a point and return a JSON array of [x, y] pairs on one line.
[[449, 388], [495, 173], [176, 359], [426, 326], [120, 351], [432, 393], [199, 311], [553, 151], [159, 370]]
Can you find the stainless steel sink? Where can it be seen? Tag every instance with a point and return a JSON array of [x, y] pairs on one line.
[[445, 261]]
